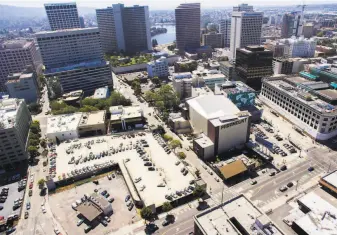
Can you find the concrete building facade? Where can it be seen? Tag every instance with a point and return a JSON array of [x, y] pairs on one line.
[[107, 29], [303, 108], [15, 120], [213, 39], [86, 76], [15, 56], [246, 29], [299, 47], [71, 46], [188, 26], [62, 16], [158, 68], [23, 86], [225, 29]]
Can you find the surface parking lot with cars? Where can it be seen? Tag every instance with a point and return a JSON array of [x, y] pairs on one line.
[[7, 200], [61, 205]]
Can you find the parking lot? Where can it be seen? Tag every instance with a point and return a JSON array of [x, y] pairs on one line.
[[13, 194], [61, 206], [278, 145]]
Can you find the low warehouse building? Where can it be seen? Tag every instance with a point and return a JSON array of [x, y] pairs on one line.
[[126, 118], [92, 124]]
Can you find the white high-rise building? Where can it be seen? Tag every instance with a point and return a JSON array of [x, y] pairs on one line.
[[62, 16], [63, 47], [246, 29], [225, 29]]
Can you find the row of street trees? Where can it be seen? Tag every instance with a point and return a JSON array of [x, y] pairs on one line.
[[34, 139]]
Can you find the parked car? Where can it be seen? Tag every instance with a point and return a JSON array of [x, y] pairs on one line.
[[253, 182], [283, 168], [290, 184], [311, 169], [104, 192], [111, 199], [43, 209], [272, 173], [283, 188], [26, 215], [127, 198], [28, 205]]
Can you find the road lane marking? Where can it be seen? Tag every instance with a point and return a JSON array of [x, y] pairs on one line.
[[177, 226]]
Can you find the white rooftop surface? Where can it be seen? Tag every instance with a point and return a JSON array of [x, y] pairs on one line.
[[217, 222], [204, 141], [8, 111], [63, 123], [163, 161], [331, 178], [313, 222], [125, 113], [101, 93], [213, 106]]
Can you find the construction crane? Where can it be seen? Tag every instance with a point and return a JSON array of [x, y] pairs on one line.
[[303, 7]]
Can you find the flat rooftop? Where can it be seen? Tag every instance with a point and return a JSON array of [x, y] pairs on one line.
[[167, 172], [234, 87], [301, 96], [8, 111], [127, 112], [331, 178], [89, 210], [223, 219], [64, 122], [221, 106], [64, 32], [101, 93], [15, 44], [204, 141], [321, 218], [328, 93], [93, 118]]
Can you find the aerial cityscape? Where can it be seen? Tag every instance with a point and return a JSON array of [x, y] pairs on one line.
[[185, 120]]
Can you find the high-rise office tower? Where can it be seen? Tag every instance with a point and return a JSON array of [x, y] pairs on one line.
[[62, 16], [187, 26], [292, 25], [63, 47], [136, 27], [15, 121], [246, 29], [15, 55], [225, 29], [124, 28], [107, 29], [81, 18], [252, 64], [243, 7]]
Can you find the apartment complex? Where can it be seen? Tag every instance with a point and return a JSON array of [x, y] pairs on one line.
[[86, 76], [292, 25], [301, 102], [70, 46], [107, 29], [252, 64], [62, 16], [213, 39], [299, 47], [188, 26], [23, 86], [158, 68], [15, 55], [15, 120], [124, 28], [246, 29], [225, 29]]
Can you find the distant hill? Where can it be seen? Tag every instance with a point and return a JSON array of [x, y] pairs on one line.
[[11, 12]]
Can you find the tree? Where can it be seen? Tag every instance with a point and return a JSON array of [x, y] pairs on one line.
[[146, 214], [181, 155], [136, 87], [167, 137], [197, 173], [43, 143], [33, 151], [41, 182], [175, 144], [33, 142], [35, 127], [34, 108], [87, 108], [155, 80], [167, 206], [199, 191], [320, 34]]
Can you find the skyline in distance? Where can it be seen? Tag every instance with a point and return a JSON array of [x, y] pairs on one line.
[[158, 5]]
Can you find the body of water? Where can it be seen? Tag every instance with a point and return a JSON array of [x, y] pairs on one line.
[[168, 37]]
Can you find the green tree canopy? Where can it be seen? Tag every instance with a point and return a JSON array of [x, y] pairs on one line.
[[33, 151], [167, 137], [199, 191], [146, 214], [175, 144], [181, 155], [167, 206]]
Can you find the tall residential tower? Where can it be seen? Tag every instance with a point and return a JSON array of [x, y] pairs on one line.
[[225, 29], [187, 26], [62, 16]]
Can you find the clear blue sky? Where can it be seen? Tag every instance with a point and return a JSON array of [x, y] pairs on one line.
[[159, 4]]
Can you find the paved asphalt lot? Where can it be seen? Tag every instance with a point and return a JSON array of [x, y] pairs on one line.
[[13, 194]]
